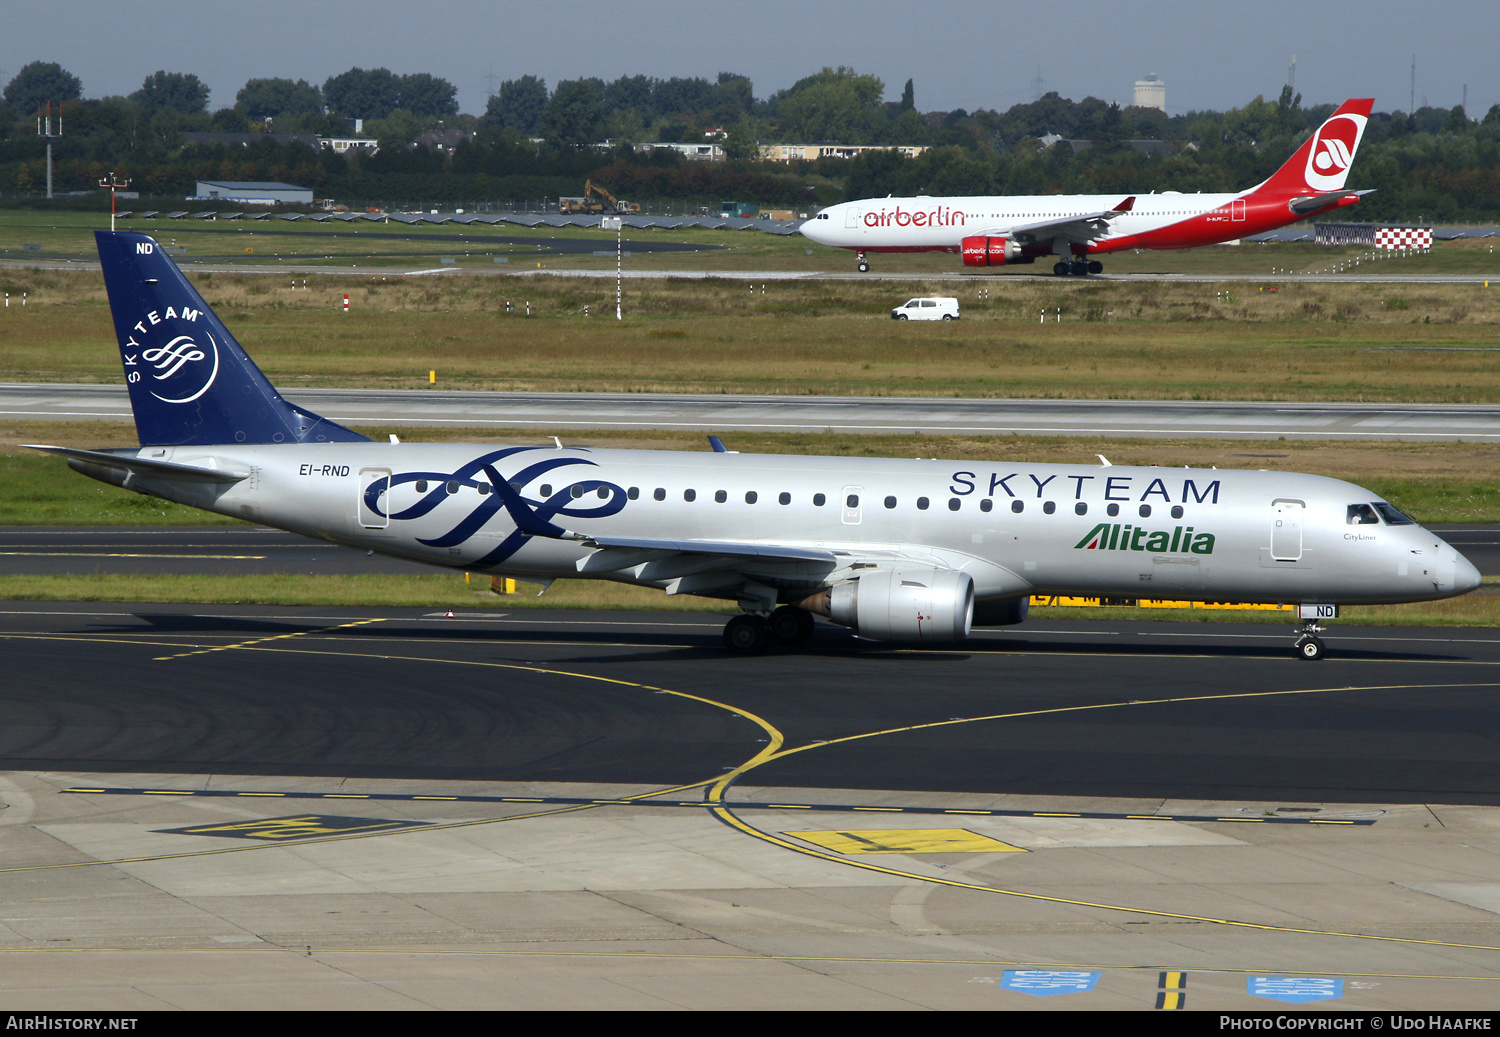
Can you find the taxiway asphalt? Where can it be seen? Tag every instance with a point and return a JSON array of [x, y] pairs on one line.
[[381, 809]]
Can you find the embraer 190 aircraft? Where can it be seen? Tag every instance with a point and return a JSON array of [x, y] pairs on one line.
[[1006, 230], [898, 550]]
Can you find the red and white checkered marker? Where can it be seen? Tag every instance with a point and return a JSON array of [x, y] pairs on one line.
[[448, 614]]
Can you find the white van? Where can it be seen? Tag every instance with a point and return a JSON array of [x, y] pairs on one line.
[[927, 309]]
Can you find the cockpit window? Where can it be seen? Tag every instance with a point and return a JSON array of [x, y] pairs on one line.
[[1391, 515], [1362, 515]]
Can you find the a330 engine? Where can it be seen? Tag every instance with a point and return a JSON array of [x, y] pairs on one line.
[[979, 250], [921, 605]]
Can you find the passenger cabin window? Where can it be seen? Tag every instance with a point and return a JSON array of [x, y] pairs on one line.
[[659, 494], [1391, 515], [453, 487], [690, 495], [720, 496], [484, 488], [1177, 511], [421, 485], [890, 502], [1145, 511], [604, 492], [819, 500], [576, 490], [1049, 507], [986, 505], [785, 498], [1080, 508], [633, 493], [546, 489], [1112, 510], [1017, 506], [954, 503], [751, 496]]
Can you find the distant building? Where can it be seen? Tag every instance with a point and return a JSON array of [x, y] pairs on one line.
[[809, 152], [691, 152], [343, 145], [1150, 92], [253, 192]]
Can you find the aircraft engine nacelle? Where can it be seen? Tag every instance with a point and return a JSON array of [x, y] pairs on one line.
[[980, 250], [921, 605]]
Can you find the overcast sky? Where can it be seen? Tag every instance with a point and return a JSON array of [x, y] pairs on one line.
[[960, 53]]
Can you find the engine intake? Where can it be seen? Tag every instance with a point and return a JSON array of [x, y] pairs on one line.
[[980, 250], [921, 605]]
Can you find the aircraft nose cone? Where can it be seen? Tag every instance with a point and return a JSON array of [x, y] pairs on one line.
[[1465, 576]]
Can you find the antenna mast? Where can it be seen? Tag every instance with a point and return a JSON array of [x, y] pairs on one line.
[[44, 129]]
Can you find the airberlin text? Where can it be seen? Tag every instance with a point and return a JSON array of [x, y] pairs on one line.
[[1115, 487], [942, 216]]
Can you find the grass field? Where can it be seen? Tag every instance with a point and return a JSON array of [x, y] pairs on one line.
[[1115, 340]]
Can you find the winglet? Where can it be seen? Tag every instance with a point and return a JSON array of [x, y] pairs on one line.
[[1126, 205], [718, 445]]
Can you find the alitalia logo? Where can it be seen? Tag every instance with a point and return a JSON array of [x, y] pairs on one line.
[[1116, 537]]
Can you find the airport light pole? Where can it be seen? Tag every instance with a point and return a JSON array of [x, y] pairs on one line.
[[114, 185]]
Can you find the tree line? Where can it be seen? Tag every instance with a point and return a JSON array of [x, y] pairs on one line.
[[532, 141]]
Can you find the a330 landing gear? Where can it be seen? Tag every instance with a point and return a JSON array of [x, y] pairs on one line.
[[1309, 645], [864, 267], [1078, 267]]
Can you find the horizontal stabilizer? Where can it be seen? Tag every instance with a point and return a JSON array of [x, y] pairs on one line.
[[146, 466]]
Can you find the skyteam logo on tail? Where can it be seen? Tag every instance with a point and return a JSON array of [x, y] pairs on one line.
[[185, 368], [1332, 152]]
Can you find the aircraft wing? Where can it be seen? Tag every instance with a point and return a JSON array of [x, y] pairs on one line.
[[721, 548], [1086, 227], [145, 466]]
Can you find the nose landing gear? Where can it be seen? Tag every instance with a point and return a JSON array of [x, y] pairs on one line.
[[1309, 645], [864, 267]]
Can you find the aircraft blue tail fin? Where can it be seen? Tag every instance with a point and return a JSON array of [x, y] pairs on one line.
[[190, 382]]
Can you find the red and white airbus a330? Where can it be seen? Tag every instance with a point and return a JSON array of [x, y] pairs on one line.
[[1003, 230]]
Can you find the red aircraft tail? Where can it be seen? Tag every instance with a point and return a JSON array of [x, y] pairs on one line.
[[1322, 163]]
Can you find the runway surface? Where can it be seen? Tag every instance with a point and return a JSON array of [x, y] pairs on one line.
[[850, 274], [245, 549], [544, 411], [367, 808]]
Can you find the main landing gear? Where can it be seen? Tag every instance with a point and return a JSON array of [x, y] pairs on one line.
[[864, 267], [1078, 268], [1309, 645], [751, 633]]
